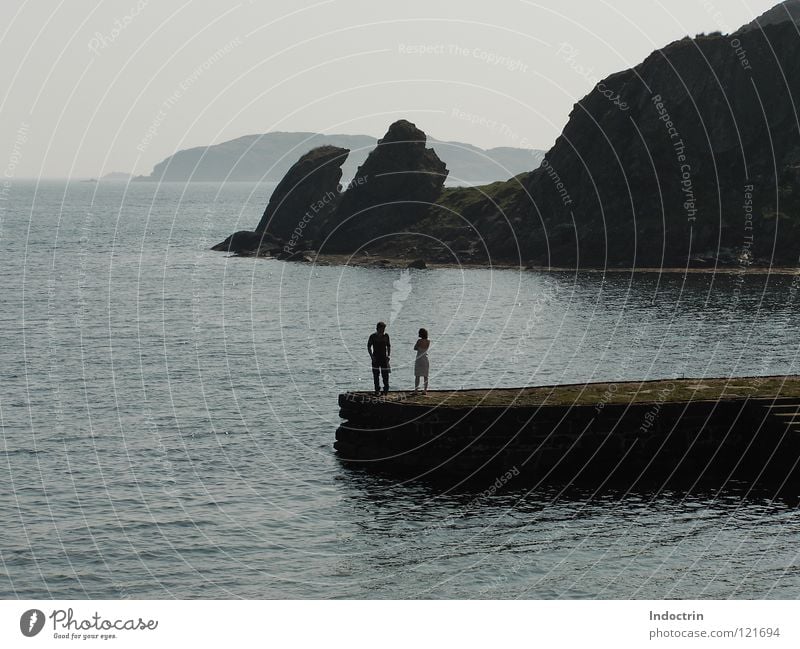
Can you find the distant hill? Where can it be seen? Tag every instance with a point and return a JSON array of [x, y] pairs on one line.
[[269, 156], [117, 175], [113, 176]]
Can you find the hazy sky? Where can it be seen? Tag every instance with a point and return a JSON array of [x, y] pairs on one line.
[[93, 87]]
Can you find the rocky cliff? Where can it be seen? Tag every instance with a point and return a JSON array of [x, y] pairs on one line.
[[789, 10], [690, 158]]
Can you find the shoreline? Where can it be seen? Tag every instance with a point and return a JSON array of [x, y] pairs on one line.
[[376, 261]]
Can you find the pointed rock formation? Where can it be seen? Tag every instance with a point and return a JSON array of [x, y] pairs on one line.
[[307, 194], [297, 208], [396, 184]]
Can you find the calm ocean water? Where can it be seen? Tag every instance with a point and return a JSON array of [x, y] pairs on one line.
[[168, 415]]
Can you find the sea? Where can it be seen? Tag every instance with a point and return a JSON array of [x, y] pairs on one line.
[[168, 415]]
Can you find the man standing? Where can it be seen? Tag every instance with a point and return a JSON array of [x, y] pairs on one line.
[[380, 349]]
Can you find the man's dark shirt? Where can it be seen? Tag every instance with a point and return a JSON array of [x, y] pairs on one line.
[[380, 348]]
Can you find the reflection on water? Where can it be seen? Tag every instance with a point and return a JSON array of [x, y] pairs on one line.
[[168, 416]]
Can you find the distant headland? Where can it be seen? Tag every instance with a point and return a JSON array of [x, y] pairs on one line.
[[268, 157]]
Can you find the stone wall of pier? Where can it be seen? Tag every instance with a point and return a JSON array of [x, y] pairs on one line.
[[662, 441]]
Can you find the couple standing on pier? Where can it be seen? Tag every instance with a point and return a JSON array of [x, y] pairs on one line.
[[380, 349]]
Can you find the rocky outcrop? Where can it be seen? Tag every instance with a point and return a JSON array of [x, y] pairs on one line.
[[691, 157], [297, 208], [247, 243], [397, 183], [306, 195]]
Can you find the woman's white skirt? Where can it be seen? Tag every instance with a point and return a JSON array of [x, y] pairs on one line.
[[421, 366]]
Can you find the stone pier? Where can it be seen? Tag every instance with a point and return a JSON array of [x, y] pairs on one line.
[[672, 431]]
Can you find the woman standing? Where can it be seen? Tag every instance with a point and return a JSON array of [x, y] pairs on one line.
[[421, 365]]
